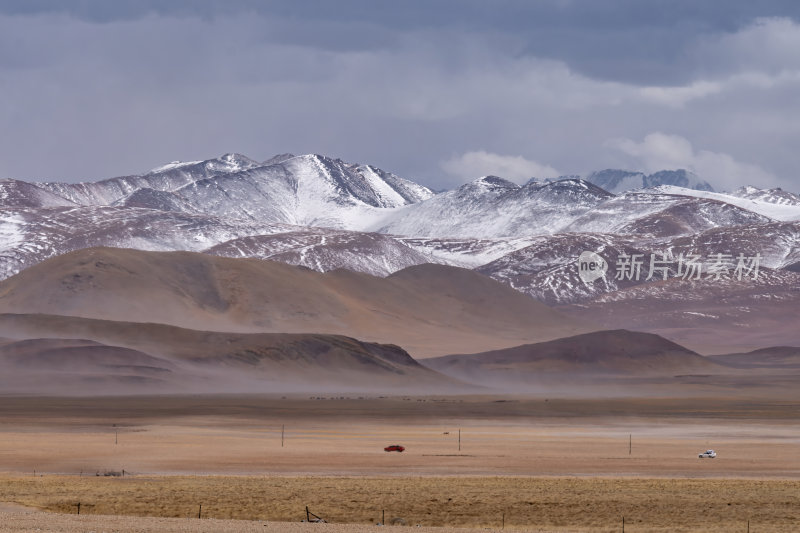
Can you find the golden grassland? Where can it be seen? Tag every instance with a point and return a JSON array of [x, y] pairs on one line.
[[551, 503], [483, 462]]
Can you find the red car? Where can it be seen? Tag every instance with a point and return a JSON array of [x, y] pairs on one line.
[[394, 448]]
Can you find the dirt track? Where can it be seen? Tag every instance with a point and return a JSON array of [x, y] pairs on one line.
[[60, 523]]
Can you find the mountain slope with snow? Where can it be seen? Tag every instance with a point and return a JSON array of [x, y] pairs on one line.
[[761, 203], [492, 207], [324, 250], [662, 212], [327, 214], [772, 196], [308, 190]]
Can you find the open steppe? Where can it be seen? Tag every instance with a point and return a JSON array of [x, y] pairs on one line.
[[550, 464], [516, 503]]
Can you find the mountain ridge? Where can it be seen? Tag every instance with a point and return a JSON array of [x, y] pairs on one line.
[[428, 309], [40, 354], [585, 357], [327, 214]]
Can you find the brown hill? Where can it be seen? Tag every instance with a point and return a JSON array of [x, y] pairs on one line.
[[775, 357], [427, 309], [709, 316], [597, 354], [124, 357]]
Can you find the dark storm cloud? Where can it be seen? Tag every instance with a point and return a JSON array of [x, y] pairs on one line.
[[638, 41], [440, 90]]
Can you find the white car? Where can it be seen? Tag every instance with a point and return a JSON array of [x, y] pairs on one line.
[[708, 453]]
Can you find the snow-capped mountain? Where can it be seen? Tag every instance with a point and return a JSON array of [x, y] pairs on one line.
[[491, 207], [29, 236], [547, 269], [617, 181], [776, 243], [763, 203], [772, 196], [324, 213], [215, 205], [303, 190], [662, 212], [15, 193], [166, 178]]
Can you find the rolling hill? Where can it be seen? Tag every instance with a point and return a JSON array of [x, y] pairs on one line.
[[588, 358], [428, 309], [70, 355]]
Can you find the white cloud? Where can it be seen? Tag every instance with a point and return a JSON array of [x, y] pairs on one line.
[[680, 96], [728, 173], [661, 151], [766, 45], [658, 151], [471, 165], [194, 87]]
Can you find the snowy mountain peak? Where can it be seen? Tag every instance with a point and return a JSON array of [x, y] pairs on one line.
[[493, 207], [309, 189], [226, 163], [352, 184], [571, 182], [239, 160], [679, 178], [280, 158], [494, 183], [230, 162], [171, 166], [618, 181], [774, 196], [571, 191]]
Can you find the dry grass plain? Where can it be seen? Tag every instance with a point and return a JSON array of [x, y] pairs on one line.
[[552, 504], [546, 464]]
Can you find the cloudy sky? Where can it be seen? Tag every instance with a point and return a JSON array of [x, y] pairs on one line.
[[440, 91]]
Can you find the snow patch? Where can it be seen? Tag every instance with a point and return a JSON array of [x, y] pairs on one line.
[[781, 212], [172, 166]]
